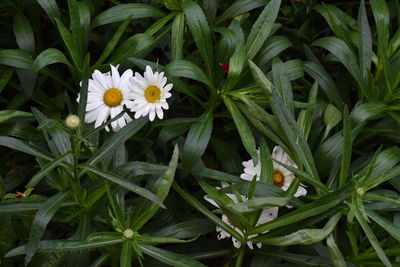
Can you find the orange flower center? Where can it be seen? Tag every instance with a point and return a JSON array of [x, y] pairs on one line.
[[279, 179], [112, 97], [152, 94]]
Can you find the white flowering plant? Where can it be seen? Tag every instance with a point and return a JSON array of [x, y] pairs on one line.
[[199, 133]]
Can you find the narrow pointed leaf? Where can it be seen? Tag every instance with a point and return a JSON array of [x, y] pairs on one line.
[[170, 258], [46, 169], [242, 127], [118, 138], [39, 224], [48, 57], [303, 236], [125, 184], [123, 11], [161, 189], [201, 33], [177, 36], [197, 141], [262, 28], [24, 34]]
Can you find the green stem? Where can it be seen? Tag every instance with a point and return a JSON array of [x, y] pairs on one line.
[[75, 181], [240, 257]]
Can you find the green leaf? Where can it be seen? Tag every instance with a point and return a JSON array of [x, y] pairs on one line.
[[314, 208], [262, 28], [260, 78], [372, 238], [177, 40], [133, 47], [365, 111], [267, 169], [303, 236], [365, 41], [118, 138], [334, 252], [126, 255], [214, 174], [345, 55], [282, 84], [39, 224], [64, 245], [201, 33], [50, 7], [258, 203], [272, 48], [140, 168], [186, 229], [392, 229], [15, 58], [83, 93], [347, 148], [236, 62], [25, 147], [324, 79], [203, 210], [160, 24], [161, 189], [197, 141], [125, 184], [170, 258], [113, 41], [5, 76], [24, 34], [239, 7], [152, 240], [332, 116], [243, 128], [58, 141], [381, 14], [305, 118], [187, 69], [69, 43], [10, 208], [295, 137], [394, 172], [47, 57], [337, 19], [9, 114], [123, 11], [80, 24], [46, 169]]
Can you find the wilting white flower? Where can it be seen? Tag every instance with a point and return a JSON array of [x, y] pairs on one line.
[[283, 178], [267, 215], [150, 94], [107, 94]]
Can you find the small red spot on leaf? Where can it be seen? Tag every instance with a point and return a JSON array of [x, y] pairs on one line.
[[224, 67]]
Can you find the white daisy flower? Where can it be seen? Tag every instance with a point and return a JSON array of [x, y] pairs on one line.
[[267, 215], [107, 94], [283, 178], [150, 94]]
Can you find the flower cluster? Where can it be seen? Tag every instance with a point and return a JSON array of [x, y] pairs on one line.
[[109, 92], [282, 178]]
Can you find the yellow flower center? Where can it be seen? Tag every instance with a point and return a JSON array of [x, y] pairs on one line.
[[112, 97], [152, 94], [279, 178]]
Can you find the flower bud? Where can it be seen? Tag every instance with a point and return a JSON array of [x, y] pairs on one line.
[[72, 121], [360, 191], [128, 234]]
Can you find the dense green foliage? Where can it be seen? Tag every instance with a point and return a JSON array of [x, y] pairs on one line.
[[320, 80]]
